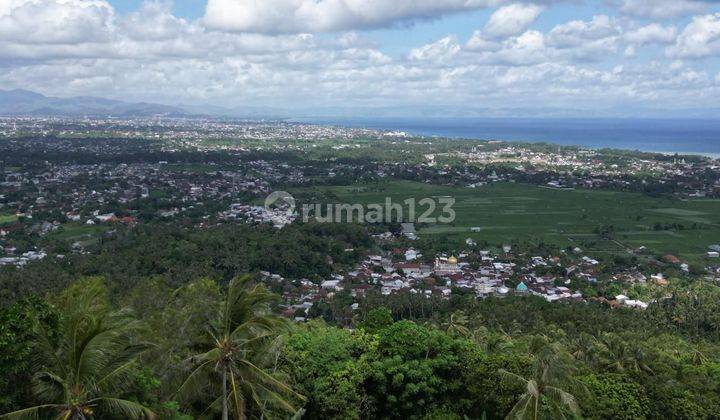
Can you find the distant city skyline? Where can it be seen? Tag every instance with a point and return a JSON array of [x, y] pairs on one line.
[[597, 57]]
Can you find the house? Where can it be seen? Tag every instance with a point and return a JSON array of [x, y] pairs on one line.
[[713, 254], [331, 285], [408, 268], [408, 230], [105, 217], [671, 259], [636, 304]]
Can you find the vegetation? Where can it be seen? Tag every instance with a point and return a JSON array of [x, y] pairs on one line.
[[236, 340], [181, 254], [208, 351], [83, 367], [505, 211]]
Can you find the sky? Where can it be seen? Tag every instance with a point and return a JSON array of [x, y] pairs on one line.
[[374, 57]]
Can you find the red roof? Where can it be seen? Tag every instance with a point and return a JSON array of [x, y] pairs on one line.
[[671, 259]]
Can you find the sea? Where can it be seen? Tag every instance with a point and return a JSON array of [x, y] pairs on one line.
[[682, 136]]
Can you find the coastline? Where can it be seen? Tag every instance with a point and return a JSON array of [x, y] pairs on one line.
[[686, 137]]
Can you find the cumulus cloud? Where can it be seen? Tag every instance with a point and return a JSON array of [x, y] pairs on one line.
[[662, 9], [523, 50], [700, 38], [86, 48], [293, 16], [480, 42], [652, 34], [513, 19], [55, 21], [438, 51], [577, 32], [154, 21]]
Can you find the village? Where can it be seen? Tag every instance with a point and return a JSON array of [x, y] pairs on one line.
[[497, 275]]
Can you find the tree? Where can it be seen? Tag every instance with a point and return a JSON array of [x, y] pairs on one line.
[[614, 396], [377, 319], [585, 349], [80, 374], [237, 341], [330, 366], [457, 324], [552, 370], [619, 355], [17, 349]]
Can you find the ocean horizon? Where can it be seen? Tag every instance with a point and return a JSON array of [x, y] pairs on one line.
[[682, 136]]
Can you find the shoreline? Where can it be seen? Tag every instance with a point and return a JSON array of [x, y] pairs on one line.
[[618, 134], [704, 154]]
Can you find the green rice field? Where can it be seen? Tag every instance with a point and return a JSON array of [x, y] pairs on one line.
[[508, 211]]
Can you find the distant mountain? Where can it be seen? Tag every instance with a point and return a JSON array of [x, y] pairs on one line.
[[23, 102], [26, 103]]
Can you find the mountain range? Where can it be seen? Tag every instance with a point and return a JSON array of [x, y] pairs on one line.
[[26, 103], [19, 102]]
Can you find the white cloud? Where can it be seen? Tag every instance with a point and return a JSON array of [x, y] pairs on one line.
[[652, 34], [700, 38], [513, 19], [590, 40], [526, 49], [576, 33], [438, 51], [480, 42], [154, 21], [55, 21], [293, 16], [662, 9], [151, 55]]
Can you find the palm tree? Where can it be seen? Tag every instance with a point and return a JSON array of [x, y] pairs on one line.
[[80, 373], [586, 349], [619, 355], [457, 325], [491, 342], [552, 370], [238, 339]]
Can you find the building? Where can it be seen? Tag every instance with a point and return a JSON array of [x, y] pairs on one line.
[[522, 288], [446, 266]]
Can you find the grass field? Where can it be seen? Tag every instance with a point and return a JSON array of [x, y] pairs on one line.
[[7, 219], [76, 232], [506, 211]]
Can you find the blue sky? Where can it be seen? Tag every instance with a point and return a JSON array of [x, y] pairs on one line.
[[406, 57]]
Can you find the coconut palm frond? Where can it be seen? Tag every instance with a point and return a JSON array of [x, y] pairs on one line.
[[31, 413], [129, 409], [563, 398]]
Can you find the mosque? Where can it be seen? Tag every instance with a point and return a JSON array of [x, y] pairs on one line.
[[446, 265]]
